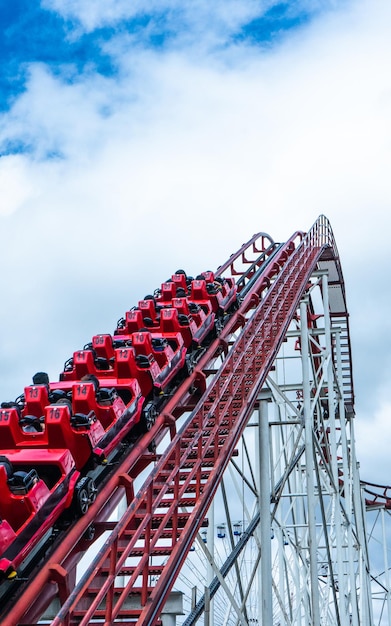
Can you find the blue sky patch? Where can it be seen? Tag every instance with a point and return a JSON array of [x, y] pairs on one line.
[[32, 35], [275, 23]]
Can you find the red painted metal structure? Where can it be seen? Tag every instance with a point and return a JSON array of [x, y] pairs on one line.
[[156, 532]]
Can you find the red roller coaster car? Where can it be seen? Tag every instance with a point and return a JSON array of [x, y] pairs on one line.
[[56, 436]]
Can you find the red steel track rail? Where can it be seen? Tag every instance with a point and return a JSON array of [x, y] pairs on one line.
[[377, 495], [156, 532]]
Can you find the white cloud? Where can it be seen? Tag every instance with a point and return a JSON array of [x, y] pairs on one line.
[[373, 436], [16, 183], [55, 118], [224, 14]]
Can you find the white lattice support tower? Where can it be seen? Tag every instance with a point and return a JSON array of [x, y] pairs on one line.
[[378, 518], [324, 569], [304, 557]]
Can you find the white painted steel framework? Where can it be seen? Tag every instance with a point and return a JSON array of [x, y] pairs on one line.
[[378, 520], [286, 541]]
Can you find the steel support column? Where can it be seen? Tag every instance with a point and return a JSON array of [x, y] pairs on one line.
[[264, 508], [309, 470]]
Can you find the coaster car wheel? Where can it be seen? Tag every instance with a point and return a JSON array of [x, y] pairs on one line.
[[92, 491], [149, 416], [85, 494], [89, 534]]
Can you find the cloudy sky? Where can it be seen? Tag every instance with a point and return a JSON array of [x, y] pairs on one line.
[[139, 137]]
